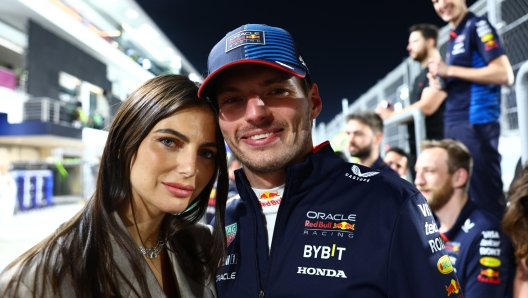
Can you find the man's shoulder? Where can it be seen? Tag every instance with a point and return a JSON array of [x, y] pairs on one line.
[[481, 224], [382, 182]]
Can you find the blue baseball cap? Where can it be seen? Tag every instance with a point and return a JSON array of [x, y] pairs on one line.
[[254, 43]]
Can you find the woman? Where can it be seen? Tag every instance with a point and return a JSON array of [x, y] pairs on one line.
[[139, 235], [515, 223]]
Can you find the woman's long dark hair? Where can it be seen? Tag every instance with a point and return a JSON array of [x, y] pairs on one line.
[[80, 250], [515, 221]]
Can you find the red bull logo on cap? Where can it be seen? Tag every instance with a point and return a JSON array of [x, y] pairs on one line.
[[344, 226], [453, 288]]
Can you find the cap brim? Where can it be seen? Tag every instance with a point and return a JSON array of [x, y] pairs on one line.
[[210, 81]]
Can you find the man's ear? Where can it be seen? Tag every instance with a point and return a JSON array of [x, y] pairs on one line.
[[378, 137], [430, 43], [460, 178], [315, 101]]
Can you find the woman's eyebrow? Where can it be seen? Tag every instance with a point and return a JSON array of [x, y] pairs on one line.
[[183, 137], [174, 132]]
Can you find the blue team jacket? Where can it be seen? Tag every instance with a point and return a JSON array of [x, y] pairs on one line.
[[342, 230]]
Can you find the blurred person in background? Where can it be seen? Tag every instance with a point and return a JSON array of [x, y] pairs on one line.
[[138, 235], [398, 160], [480, 252], [422, 46], [476, 66], [515, 224], [365, 133], [8, 200], [232, 164]]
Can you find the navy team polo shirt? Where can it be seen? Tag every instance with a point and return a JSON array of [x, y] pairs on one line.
[[474, 43]]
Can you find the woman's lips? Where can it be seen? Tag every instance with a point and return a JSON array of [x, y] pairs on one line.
[[179, 190]]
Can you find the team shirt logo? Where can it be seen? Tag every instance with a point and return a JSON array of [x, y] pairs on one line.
[[360, 176], [231, 233], [444, 265], [453, 288], [490, 261], [328, 224], [489, 276], [467, 225]]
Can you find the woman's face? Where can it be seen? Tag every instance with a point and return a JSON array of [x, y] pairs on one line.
[[175, 161]]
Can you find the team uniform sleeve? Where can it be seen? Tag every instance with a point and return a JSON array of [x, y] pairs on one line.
[[488, 265], [487, 40], [418, 263]]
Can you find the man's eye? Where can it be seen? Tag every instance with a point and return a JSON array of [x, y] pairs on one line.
[[231, 100], [278, 91]]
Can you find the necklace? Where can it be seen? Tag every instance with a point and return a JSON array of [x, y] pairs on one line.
[[154, 252]]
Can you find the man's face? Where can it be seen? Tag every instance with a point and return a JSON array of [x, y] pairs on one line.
[[397, 162], [451, 11], [361, 139], [266, 116], [417, 46], [433, 178]]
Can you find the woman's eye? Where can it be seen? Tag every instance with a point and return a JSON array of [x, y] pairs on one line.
[[208, 154], [167, 142]]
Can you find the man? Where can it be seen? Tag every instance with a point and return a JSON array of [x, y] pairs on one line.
[[422, 47], [341, 229], [476, 67], [398, 160], [365, 133], [480, 252]]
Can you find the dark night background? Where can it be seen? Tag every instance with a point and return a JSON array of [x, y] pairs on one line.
[[347, 45]]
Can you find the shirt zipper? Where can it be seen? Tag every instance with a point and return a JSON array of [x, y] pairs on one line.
[[276, 235]]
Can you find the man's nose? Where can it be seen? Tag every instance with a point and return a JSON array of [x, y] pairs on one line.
[[256, 109]]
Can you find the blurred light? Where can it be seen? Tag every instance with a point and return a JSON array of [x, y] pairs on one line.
[[115, 44], [140, 38], [146, 64], [148, 31], [131, 14], [111, 33], [404, 93], [168, 51], [384, 104], [176, 62], [194, 77], [398, 107]]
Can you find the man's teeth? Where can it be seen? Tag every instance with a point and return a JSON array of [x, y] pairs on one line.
[[261, 136]]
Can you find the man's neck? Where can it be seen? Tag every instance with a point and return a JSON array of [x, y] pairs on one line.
[[369, 160], [449, 213], [267, 180], [431, 53], [455, 22]]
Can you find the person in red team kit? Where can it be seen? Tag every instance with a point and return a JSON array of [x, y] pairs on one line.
[[306, 223]]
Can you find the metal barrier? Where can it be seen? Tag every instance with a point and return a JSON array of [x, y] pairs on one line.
[[419, 125], [510, 17], [47, 110], [522, 109]]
